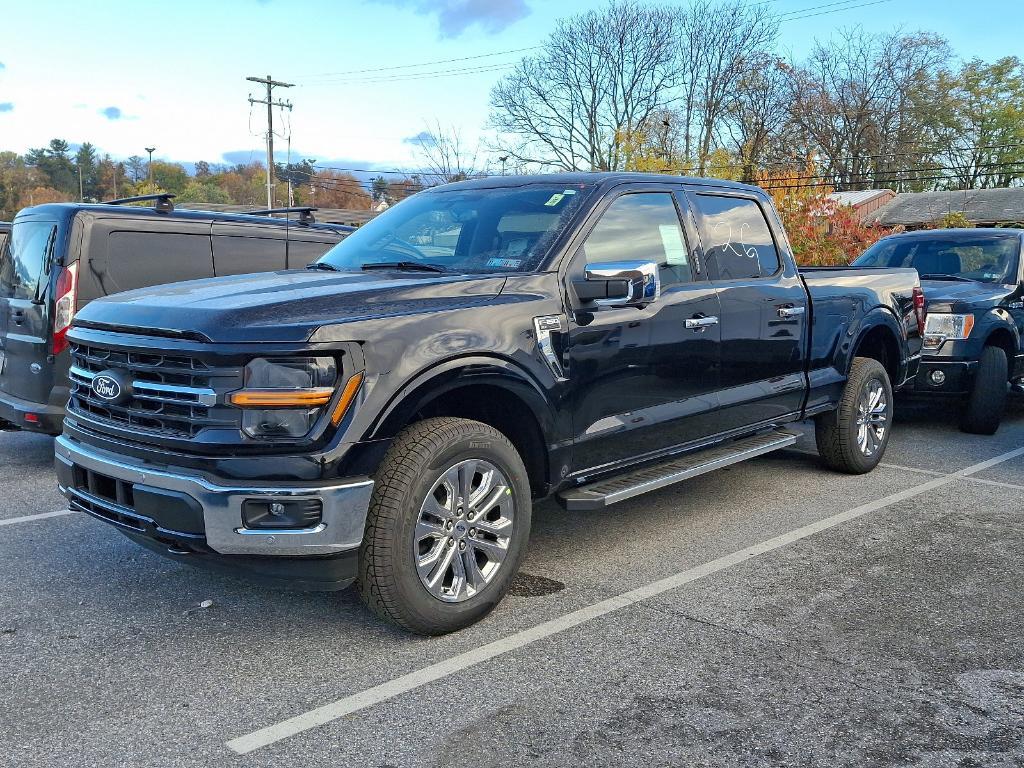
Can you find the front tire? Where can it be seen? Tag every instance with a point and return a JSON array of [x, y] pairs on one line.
[[987, 401], [447, 526], [852, 438]]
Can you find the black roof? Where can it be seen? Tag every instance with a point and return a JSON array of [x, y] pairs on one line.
[[956, 233], [605, 178], [67, 210]]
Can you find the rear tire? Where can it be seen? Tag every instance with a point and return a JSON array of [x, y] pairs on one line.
[[987, 401], [852, 438], [451, 501]]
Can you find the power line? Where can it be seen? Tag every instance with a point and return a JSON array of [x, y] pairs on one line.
[[416, 75], [424, 63], [834, 10]]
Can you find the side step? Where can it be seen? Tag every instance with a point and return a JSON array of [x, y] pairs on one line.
[[601, 493]]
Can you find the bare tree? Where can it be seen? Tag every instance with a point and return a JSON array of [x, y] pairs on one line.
[[445, 156], [599, 75], [757, 116], [719, 43], [864, 104]]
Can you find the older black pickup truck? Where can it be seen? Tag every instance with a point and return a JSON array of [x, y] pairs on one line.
[[388, 415]]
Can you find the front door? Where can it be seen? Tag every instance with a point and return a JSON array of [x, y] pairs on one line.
[[764, 311], [642, 381]]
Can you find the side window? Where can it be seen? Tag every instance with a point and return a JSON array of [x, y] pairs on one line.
[[235, 255], [735, 236], [142, 259], [642, 227]]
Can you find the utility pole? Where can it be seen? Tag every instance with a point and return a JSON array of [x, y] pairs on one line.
[[270, 83], [151, 150], [81, 194]]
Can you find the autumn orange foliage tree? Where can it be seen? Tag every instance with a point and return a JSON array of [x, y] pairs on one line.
[[822, 232]]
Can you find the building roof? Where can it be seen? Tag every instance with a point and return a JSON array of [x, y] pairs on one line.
[[859, 197], [980, 206]]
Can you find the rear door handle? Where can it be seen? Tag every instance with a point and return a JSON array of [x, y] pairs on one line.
[[791, 311], [701, 322]]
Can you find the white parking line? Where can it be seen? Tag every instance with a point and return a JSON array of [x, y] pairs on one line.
[[40, 516], [389, 690]]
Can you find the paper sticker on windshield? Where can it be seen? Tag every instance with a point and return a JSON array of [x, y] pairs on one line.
[[555, 199], [505, 263]]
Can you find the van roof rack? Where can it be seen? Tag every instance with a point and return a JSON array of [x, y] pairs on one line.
[[164, 202], [305, 213]]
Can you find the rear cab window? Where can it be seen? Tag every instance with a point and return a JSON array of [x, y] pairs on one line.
[[25, 256], [735, 236]]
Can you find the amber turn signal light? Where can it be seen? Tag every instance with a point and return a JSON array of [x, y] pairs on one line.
[[347, 396], [281, 398]]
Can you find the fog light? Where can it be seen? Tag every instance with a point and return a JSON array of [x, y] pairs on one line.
[[937, 378], [284, 514]]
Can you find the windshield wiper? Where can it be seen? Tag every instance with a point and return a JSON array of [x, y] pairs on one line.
[[410, 266], [323, 265], [947, 277]]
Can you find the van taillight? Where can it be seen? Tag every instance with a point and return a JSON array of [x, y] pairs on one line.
[[64, 308], [919, 308]]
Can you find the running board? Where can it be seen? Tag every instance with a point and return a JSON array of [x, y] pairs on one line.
[[602, 493]]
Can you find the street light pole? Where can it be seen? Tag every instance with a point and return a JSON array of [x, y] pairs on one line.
[[503, 159], [151, 150]]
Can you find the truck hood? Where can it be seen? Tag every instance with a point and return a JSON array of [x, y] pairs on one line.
[[285, 306], [956, 296]]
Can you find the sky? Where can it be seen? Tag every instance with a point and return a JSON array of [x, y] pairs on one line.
[[126, 75]]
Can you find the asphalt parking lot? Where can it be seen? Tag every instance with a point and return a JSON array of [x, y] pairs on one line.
[[774, 613]]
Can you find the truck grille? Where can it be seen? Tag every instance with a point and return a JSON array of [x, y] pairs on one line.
[[170, 395]]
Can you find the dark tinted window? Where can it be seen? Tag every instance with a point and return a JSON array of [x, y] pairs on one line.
[[24, 257], [735, 236], [141, 259], [240, 255], [641, 227], [989, 258]]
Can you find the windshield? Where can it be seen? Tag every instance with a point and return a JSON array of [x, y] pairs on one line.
[[501, 229], [987, 258], [24, 257]]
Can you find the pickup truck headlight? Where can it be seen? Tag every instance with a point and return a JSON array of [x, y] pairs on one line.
[[941, 326], [283, 397]]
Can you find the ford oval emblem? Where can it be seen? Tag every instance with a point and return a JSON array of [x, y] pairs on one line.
[[106, 387]]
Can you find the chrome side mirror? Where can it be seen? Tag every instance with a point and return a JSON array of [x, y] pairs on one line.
[[619, 284]]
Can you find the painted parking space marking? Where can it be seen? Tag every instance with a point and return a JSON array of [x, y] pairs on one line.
[[328, 713], [40, 516]]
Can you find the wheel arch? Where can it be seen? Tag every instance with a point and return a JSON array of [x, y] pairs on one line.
[[491, 390], [880, 339]]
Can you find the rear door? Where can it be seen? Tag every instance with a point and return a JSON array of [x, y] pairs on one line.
[[764, 309], [25, 267], [239, 249]]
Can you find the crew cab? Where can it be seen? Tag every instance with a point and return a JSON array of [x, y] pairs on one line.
[[389, 415], [974, 288]]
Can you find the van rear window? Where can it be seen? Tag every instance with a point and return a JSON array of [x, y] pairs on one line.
[[142, 259], [24, 258]]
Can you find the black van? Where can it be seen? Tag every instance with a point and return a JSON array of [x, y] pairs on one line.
[[60, 256]]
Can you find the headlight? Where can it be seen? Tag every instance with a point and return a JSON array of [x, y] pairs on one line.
[[940, 326], [283, 397]]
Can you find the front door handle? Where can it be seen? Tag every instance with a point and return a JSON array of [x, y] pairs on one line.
[[701, 322], [791, 311]]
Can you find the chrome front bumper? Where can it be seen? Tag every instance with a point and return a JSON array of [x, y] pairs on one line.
[[345, 504]]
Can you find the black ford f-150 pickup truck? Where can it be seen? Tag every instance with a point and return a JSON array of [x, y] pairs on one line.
[[973, 281], [388, 415]]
